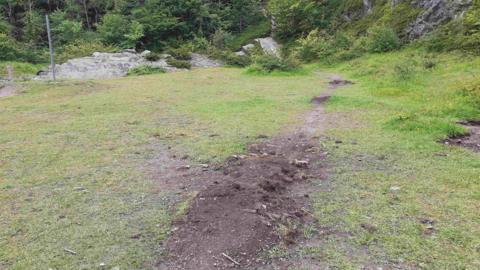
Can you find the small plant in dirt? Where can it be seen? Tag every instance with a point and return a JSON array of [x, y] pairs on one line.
[[145, 70], [429, 63], [268, 63], [152, 57], [182, 64], [404, 70], [182, 53]]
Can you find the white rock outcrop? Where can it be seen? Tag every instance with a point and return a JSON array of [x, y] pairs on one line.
[[269, 45], [113, 65]]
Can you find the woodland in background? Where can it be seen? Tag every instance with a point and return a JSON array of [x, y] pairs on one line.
[[152, 24], [311, 30]]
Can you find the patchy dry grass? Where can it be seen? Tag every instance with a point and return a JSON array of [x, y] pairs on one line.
[[71, 158]]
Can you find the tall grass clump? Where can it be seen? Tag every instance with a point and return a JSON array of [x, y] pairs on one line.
[[267, 63]]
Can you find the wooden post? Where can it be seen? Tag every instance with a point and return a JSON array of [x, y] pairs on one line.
[[50, 45], [9, 69]]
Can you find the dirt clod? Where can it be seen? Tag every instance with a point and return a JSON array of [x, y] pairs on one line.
[[470, 140]]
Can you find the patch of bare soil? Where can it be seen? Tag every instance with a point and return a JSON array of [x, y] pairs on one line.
[[471, 140], [250, 204], [7, 90], [337, 81]]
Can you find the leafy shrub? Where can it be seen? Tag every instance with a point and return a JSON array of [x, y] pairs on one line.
[[237, 60], [145, 70], [259, 29], [152, 57], [268, 62], [382, 39], [10, 50], [327, 48], [307, 48], [81, 48], [181, 53], [65, 30], [116, 29], [471, 90], [220, 39], [429, 63], [404, 70], [200, 44], [183, 64]]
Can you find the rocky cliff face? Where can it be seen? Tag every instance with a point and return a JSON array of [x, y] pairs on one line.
[[435, 13], [432, 13]]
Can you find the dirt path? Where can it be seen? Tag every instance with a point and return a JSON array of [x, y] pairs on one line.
[[250, 204]]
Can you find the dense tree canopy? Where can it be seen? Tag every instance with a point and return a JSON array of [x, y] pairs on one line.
[[123, 23]]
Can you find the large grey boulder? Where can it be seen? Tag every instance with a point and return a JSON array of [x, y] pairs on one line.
[[112, 65], [435, 13], [269, 45], [202, 61]]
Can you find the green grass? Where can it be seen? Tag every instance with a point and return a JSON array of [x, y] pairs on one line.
[[74, 161], [20, 69], [74, 158], [390, 128], [145, 70]]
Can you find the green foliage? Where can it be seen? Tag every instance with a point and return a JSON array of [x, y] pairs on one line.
[[429, 62], [404, 70], [382, 39], [327, 48], [342, 46], [182, 64], [181, 53], [295, 17], [116, 29], [267, 63], [152, 57], [10, 50], [20, 69], [145, 70], [237, 60], [64, 30], [260, 29], [34, 27], [220, 39], [81, 48], [200, 44], [5, 27]]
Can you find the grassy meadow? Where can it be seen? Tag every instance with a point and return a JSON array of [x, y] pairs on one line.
[[403, 198], [74, 158]]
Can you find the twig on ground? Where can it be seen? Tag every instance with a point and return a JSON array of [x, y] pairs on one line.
[[230, 259], [70, 251]]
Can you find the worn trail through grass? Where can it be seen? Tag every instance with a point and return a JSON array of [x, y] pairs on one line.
[[79, 163]]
